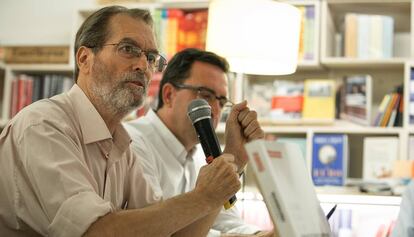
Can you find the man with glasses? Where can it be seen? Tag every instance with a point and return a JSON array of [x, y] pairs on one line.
[[66, 164], [166, 140]]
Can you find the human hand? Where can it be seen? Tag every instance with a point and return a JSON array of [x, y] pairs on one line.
[[241, 127], [219, 180]]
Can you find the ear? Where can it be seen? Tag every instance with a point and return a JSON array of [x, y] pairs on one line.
[[84, 57], [168, 94]]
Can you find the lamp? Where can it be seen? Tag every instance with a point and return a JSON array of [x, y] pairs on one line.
[[255, 36]]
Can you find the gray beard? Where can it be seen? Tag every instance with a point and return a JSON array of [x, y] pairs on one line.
[[119, 99]]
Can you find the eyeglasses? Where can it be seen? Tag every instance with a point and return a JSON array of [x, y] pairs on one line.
[[206, 93], [156, 62]]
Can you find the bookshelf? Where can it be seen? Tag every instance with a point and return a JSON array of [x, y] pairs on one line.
[[327, 62], [386, 74], [12, 71]]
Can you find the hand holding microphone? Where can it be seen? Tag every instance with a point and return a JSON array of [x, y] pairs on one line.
[[199, 112]]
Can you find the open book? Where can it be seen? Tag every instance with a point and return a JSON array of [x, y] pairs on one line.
[[287, 189]]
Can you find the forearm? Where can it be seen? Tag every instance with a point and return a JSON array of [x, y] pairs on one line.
[[161, 219], [199, 228]]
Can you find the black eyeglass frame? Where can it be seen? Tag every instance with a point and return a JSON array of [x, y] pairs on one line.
[[223, 101], [162, 61]]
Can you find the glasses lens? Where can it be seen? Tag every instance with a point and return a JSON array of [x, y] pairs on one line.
[[161, 64], [224, 102], [128, 50], [207, 95]]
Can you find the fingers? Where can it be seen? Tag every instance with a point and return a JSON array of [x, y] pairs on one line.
[[229, 161], [253, 132], [235, 110], [251, 127]]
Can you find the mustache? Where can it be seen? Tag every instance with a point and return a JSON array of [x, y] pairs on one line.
[[136, 77]]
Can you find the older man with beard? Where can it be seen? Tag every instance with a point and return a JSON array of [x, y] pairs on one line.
[[66, 164]]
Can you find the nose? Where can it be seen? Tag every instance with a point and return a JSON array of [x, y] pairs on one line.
[[141, 63]]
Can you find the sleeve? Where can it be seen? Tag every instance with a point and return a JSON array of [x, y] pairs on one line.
[[404, 226], [230, 222], [62, 187]]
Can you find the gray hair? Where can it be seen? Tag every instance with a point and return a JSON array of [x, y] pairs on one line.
[[94, 31]]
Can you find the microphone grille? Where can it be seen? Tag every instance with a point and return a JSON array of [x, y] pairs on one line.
[[199, 109]]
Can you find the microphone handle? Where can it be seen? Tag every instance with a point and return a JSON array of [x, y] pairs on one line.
[[211, 147]]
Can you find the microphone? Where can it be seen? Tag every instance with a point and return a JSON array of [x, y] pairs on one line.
[[199, 112]]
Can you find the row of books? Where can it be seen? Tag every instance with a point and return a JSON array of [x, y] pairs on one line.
[[368, 36], [330, 159], [390, 110], [284, 100], [324, 99], [27, 89], [177, 29], [307, 33], [356, 103]]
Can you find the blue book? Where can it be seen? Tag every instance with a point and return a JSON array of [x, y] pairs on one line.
[[329, 159]]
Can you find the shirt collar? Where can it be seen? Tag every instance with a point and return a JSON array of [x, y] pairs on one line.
[[170, 140], [92, 124]]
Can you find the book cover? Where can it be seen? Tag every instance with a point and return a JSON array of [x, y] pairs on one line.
[[380, 153], [357, 99], [287, 100], [329, 159], [382, 109], [319, 99], [282, 175], [309, 35]]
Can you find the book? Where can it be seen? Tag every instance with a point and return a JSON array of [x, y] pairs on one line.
[[379, 156], [282, 175], [382, 109], [351, 35], [287, 100], [319, 99], [329, 164], [259, 98], [356, 101]]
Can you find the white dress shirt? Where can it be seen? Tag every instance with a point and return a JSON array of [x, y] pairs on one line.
[[172, 171], [404, 226]]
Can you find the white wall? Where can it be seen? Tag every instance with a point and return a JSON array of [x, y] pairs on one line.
[[38, 22]]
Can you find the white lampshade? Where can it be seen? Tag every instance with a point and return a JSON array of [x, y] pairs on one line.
[[256, 36]]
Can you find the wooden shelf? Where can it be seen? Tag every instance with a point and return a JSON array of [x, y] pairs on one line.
[[182, 4], [336, 195], [338, 126], [363, 63], [40, 67], [185, 4], [360, 199]]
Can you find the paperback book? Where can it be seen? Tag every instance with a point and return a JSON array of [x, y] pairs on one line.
[[329, 159], [287, 189]]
